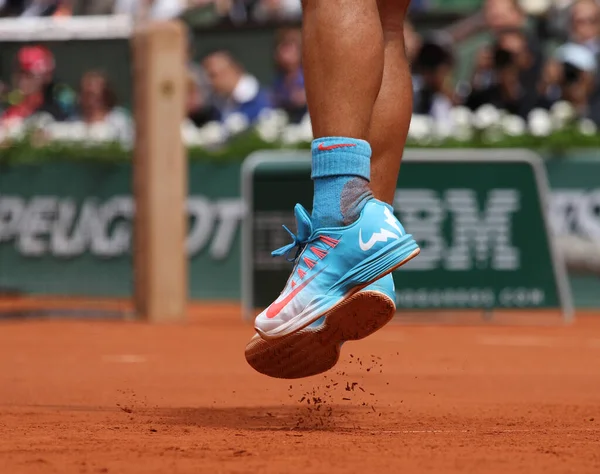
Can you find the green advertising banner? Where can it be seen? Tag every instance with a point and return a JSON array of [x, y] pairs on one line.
[[66, 229], [479, 218]]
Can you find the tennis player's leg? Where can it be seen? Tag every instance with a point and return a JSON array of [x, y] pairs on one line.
[[352, 240]]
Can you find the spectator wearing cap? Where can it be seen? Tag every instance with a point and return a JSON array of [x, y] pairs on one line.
[[236, 90], [569, 76], [585, 30], [35, 90], [289, 93]]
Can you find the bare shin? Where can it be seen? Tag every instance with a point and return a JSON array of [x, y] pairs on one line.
[[393, 108], [343, 59]]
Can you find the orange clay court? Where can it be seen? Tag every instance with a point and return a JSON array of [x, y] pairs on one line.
[[123, 397]]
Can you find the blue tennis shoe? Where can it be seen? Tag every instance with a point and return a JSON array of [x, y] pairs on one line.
[[323, 294]]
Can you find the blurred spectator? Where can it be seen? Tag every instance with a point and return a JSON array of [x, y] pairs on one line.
[[236, 90], [288, 90], [512, 53], [504, 14], [508, 24], [36, 8], [570, 76], [98, 106], [93, 7], [585, 24], [412, 41], [507, 91], [199, 110], [432, 86], [483, 71], [35, 90], [585, 30], [280, 10], [529, 61], [235, 11]]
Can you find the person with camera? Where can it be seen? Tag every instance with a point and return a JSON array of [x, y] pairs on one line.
[[510, 86], [570, 76]]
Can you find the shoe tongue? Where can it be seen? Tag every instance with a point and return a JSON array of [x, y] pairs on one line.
[[303, 222]]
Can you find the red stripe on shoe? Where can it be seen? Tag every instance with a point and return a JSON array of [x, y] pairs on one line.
[[318, 252], [329, 241]]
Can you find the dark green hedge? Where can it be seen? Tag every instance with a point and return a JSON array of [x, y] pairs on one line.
[[241, 146]]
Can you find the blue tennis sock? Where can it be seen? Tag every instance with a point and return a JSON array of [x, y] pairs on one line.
[[341, 170]]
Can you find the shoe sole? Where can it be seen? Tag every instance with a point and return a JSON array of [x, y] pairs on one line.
[[359, 277], [314, 350]]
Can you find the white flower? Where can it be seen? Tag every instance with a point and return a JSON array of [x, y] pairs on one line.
[[486, 116], [587, 127], [421, 127], [513, 125], [493, 134], [14, 128], [67, 131], [539, 123], [212, 133], [463, 133], [274, 118], [77, 131], [561, 113], [305, 128], [563, 110], [40, 120], [270, 124], [442, 129], [267, 132], [100, 133], [236, 123], [60, 131], [190, 134], [460, 116], [291, 135]]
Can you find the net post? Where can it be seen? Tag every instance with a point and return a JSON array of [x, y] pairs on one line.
[[159, 172]]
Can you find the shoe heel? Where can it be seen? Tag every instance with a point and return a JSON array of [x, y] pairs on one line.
[[383, 262]]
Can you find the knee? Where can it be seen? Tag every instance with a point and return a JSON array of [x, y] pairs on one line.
[[393, 14]]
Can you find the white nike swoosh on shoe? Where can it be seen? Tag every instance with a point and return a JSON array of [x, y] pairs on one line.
[[382, 236]]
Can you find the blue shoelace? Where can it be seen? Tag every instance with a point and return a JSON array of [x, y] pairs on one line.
[[297, 244]]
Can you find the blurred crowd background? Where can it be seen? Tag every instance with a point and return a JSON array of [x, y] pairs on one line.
[[537, 53]]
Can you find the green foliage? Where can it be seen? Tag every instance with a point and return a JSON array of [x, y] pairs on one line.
[[26, 152]]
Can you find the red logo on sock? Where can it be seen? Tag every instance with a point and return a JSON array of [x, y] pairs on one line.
[[333, 147]]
